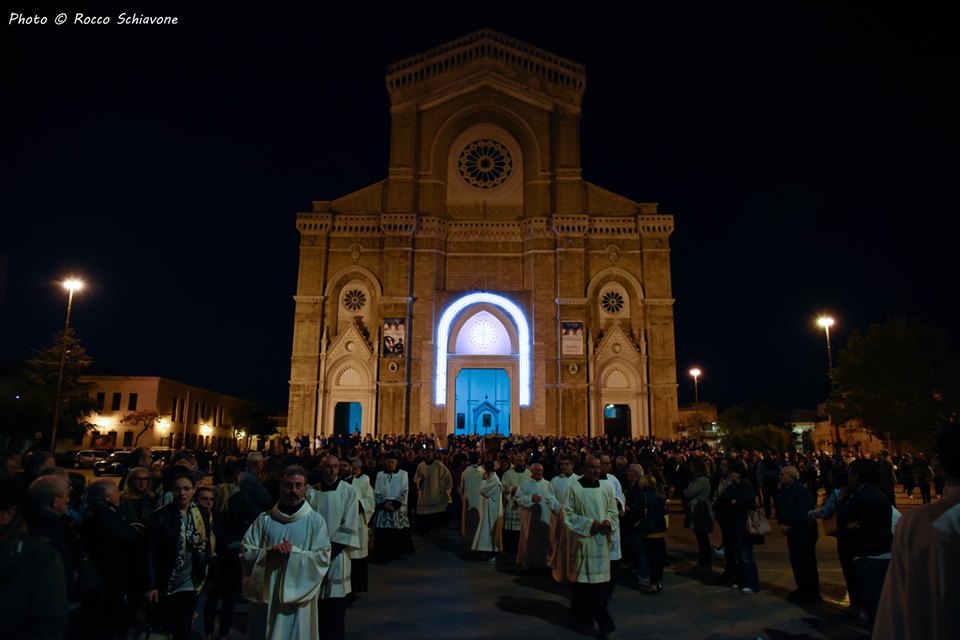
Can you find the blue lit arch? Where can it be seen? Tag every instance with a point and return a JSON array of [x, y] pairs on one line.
[[443, 337]]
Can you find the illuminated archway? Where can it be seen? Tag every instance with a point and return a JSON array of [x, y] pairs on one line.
[[443, 336]]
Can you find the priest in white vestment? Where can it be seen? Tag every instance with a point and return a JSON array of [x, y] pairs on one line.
[[470, 499], [590, 513], [337, 502], [607, 476], [561, 540], [391, 524], [536, 502], [286, 554], [921, 590], [487, 538], [368, 502], [434, 486], [510, 481]]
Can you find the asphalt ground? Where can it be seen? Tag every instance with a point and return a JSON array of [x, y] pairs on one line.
[[437, 593]]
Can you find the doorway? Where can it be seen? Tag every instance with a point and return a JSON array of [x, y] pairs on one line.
[[483, 402], [346, 418], [616, 420]]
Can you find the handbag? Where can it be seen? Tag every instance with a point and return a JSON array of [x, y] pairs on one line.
[[757, 524]]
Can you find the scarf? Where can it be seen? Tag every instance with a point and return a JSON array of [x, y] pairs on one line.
[[193, 540]]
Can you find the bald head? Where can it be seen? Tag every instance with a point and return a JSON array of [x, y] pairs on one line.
[[591, 468]]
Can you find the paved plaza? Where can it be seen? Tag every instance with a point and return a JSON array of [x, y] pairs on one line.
[[437, 594]]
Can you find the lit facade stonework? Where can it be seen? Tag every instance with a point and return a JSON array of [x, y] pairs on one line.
[[484, 251]]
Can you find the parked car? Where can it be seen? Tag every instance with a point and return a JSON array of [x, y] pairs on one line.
[[88, 458], [116, 464], [65, 458]]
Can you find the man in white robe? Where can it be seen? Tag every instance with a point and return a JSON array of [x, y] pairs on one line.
[[286, 554], [434, 484], [510, 481], [487, 538], [561, 540], [536, 501], [368, 502], [470, 498], [920, 591], [337, 502], [590, 513], [391, 524]]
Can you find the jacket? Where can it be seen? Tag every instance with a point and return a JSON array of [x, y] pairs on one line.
[[163, 539]]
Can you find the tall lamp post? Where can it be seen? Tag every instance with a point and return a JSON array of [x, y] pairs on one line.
[[695, 372], [71, 285], [825, 322]]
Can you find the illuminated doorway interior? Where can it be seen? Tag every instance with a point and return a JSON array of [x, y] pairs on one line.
[[616, 420], [483, 402], [346, 418]]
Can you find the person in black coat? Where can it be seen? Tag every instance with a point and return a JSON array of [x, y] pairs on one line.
[[179, 549], [113, 547], [737, 501], [794, 502]]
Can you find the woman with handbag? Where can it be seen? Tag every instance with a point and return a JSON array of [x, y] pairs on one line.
[[700, 511], [179, 549], [739, 500]]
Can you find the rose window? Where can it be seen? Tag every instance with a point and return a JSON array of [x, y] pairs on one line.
[[612, 302], [354, 300], [485, 164], [483, 334]]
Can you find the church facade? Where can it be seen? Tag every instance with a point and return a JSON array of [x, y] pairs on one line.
[[484, 286]]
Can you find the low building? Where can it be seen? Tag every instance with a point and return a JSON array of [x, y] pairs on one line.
[[197, 417]]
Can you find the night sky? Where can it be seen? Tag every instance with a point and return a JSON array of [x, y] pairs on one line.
[[808, 153]]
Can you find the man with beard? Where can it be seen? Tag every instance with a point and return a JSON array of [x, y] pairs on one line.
[[336, 501], [286, 554]]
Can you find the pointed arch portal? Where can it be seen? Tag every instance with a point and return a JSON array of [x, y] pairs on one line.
[[443, 337]]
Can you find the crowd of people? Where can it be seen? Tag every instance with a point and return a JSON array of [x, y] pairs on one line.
[[290, 530]]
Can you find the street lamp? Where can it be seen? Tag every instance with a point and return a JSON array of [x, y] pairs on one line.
[[695, 372], [825, 322], [71, 285]]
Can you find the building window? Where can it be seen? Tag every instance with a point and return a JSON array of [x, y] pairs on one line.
[[196, 412], [173, 411], [101, 400], [115, 405], [127, 438], [132, 402]]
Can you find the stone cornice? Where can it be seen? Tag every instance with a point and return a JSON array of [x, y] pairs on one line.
[[659, 302], [396, 300], [314, 224], [309, 298], [658, 225], [570, 226], [571, 301]]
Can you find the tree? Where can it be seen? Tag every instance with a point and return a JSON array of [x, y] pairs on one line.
[[254, 420], [900, 380], [755, 427], [40, 375], [144, 419]]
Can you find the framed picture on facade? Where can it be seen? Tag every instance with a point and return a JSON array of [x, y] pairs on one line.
[[571, 338], [394, 337]]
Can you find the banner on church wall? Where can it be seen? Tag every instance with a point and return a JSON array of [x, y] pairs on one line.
[[394, 337], [571, 338]]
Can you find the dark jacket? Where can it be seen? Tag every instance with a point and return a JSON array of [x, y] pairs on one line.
[[163, 539], [793, 505], [61, 532], [736, 501], [33, 594], [113, 546], [871, 510]]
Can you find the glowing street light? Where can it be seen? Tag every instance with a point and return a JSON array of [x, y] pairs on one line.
[[826, 322], [695, 372], [72, 285]]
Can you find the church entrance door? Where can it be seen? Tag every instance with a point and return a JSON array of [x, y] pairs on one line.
[[347, 418], [616, 420], [483, 402]]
